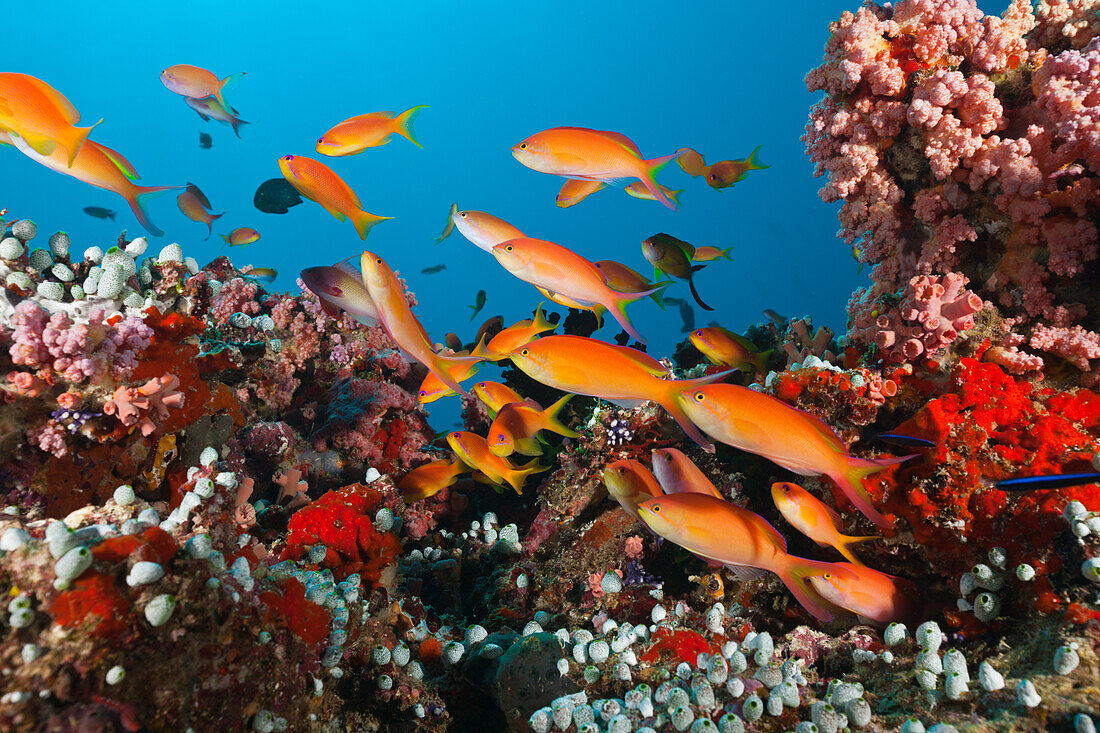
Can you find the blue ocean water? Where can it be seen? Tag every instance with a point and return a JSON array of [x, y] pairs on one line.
[[716, 76]]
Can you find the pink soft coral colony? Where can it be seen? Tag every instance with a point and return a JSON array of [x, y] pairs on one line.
[[966, 146]]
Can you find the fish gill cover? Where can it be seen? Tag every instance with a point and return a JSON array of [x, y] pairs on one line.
[[235, 502]]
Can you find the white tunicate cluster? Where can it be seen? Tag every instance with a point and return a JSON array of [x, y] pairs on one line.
[[49, 290], [145, 572], [115, 675], [987, 607], [11, 248], [40, 259], [73, 563], [912, 725], [1083, 724], [170, 253], [20, 613], [1025, 572], [1091, 569]]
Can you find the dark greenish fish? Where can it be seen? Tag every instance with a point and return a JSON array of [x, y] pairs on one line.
[[450, 225], [687, 315], [433, 269], [276, 196], [1053, 481], [479, 303], [672, 257], [205, 141], [99, 212]]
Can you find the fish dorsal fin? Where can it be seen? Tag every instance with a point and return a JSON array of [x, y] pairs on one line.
[[63, 105], [347, 266], [120, 162], [646, 362]]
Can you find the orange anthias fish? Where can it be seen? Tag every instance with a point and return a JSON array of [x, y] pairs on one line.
[[240, 236], [208, 109], [432, 388], [722, 174], [574, 191], [196, 83], [40, 115], [617, 374], [518, 423], [484, 230], [562, 271], [743, 541], [722, 346], [264, 274], [811, 517], [591, 155], [474, 451], [340, 289], [397, 318], [518, 334], [194, 204], [428, 480], [495, 396], [630, 483], [871, 595], [639, 191], [796, 440], [708, 254], [356, 134], [317, 182], [99, 166], [678, 474]]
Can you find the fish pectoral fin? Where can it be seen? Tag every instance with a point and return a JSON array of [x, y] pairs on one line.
[[744, 572]]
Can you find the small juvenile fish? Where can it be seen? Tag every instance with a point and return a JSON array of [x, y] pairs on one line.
[[722, 346], [495, 396], [194, 204], [743, 541], [573, 192], [871, 595], [672, 256], [776, 318], [473, 450], [1052, 481], [630, 483], [591, 155], [796, 440], [356, 134], [205, 141], [709, 254], [241, 236], [479, 303], [196, 82], [99, 212], [276, 196], [810, 516], [450, 226], [905, 441], [725, 173], [263, 274], [209, 109], [433, 269], [639, 191], [625, 280], [517, 335], [317, 182], [516, 427], [340, 289], [678, 474], [428, 480]]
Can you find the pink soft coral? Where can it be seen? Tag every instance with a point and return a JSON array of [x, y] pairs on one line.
[[134, 406]]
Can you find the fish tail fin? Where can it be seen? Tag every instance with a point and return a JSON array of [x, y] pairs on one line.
[[236, 123], [691, 162], [553, 423], [725, 253], [670, 401], [74, 140], [760, 360], [695, 294], [221, 90], [795, 574], [675, 196], [483, 353], [850, 481], [139, 199], [516, 477], [540, 323], [403, 124], [652, 168], [365, 221], [843, 546], [111, 215], [753, 161], [618, 310], [442, 365]]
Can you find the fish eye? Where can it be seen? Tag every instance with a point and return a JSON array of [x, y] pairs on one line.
[[463, 215], [423, 392], [378, 260], [699, 396], [508, 248], [320, 140], [523, 146], [288, 157], [657, 508], [500, 438], [523, 353]]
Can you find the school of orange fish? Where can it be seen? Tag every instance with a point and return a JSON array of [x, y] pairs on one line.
[[675, 499]]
